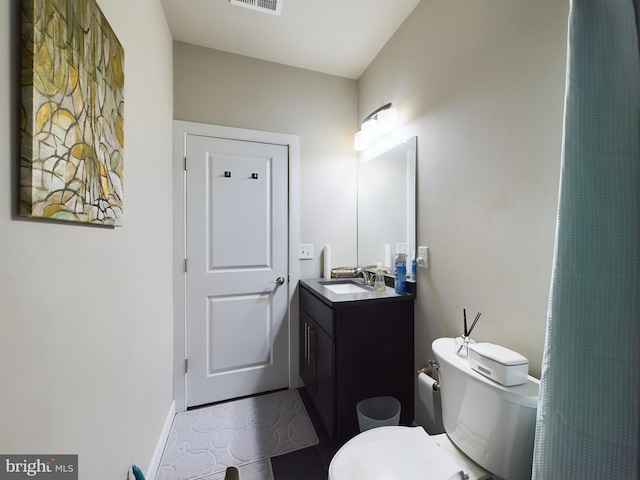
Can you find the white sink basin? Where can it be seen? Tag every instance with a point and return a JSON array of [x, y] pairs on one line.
[[343, 288]]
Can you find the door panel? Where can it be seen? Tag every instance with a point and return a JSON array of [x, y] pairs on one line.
[[241, 204], [237, 228], [239, 332]]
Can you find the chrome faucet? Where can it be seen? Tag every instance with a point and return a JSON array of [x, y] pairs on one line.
[[367, 276]]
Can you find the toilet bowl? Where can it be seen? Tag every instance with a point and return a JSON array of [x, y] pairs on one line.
[[489, 432]]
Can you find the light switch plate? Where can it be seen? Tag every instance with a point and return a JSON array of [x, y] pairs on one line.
[[305, 251]]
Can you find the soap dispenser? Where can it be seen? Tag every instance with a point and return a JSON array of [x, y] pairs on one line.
[[378, 284]]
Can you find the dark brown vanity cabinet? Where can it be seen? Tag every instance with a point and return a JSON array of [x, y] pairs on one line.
[[352, 350]]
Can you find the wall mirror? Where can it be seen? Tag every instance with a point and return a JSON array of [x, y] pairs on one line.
[[387, 205]]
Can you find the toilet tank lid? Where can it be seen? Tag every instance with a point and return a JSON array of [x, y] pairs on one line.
[[498, 353]]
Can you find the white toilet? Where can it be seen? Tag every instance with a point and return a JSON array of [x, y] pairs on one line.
[[489, 433]]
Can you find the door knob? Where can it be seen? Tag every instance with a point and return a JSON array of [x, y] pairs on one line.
[[280, 280]]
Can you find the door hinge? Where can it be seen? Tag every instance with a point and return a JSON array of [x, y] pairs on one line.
[[186, 365], [185, 163], [184, 266]]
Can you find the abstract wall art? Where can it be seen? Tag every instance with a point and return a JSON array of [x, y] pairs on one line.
[[72, 125]]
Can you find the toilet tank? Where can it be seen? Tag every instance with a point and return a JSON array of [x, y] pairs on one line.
[[492, 424]]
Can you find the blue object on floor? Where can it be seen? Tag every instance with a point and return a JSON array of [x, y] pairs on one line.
[[137, 473]]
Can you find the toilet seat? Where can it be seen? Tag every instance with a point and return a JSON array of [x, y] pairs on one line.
[[403, 453]]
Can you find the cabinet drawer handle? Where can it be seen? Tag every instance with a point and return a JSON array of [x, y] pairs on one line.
[[312, 332], [306, 341]]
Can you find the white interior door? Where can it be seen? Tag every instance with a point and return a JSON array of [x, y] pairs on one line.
[[236, 245]]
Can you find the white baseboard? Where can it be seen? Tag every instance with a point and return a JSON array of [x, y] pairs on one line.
[[162, 441]]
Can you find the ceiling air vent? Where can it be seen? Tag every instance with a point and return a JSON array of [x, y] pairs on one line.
[[268, 6]]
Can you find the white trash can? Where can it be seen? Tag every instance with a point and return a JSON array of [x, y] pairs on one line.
[[378, 412]]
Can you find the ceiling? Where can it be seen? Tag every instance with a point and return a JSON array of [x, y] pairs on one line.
[[338, 37]]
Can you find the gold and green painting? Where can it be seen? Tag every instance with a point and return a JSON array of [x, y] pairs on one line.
[[72, 153]]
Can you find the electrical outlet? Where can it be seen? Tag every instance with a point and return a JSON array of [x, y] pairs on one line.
[[423, 257], [305, 251]]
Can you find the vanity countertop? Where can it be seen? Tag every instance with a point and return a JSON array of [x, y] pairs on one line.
[[317, 286]]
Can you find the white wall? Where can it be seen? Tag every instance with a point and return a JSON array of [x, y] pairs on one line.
[[221, 88], [86, 312], [481, 83]]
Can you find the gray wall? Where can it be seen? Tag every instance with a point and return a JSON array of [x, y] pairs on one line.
[[86, 312], [481, 83]]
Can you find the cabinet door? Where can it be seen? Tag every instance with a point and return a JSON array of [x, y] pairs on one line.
[[325, 380], [374, 357], [307, 347]]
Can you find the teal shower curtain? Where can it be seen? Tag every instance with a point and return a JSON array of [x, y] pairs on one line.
[[588, 424]]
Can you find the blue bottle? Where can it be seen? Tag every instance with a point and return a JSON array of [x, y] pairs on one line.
[[400, 283]]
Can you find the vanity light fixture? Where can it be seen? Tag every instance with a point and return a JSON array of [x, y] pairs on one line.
[[378, 123]]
